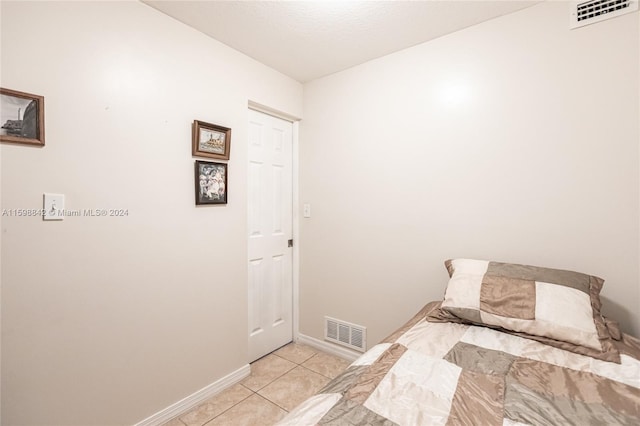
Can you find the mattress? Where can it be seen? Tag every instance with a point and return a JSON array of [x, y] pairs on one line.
[[448, 373]]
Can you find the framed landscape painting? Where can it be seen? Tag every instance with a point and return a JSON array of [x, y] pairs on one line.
[[210, 140], [21, 117]]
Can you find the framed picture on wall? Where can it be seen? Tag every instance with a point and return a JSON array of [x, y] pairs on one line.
[[21, 117], [210, 140], [211, 183]]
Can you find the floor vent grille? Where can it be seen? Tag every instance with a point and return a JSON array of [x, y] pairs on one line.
[[588, 12], [345, 334]]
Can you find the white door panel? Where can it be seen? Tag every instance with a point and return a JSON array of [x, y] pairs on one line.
[[270, 228]]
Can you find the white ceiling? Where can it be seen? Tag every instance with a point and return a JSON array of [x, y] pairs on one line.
[[310, 39]]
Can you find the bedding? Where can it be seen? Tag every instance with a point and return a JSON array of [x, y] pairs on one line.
[[435, 372], [558, 304]]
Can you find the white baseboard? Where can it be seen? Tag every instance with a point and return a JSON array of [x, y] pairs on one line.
[[328, 347], [196, 398]]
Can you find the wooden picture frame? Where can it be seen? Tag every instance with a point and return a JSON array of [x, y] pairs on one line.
[[211, 182], [21, 117], [210, 140]]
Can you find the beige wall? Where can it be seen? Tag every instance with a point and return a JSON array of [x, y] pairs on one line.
[[513, 140], [109, 320], [484, 143]]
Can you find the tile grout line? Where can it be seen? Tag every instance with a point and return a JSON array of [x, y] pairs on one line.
[[272, 381], [239, 402], [262, 387], [274, 403], [221, 413], [293, 362], [320, 374], [256, 392]]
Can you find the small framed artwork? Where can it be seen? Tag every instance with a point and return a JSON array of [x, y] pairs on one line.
[[21, 117], [210, 140], [211, 183]]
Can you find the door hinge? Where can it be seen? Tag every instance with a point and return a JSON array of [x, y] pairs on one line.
[[290, 243]]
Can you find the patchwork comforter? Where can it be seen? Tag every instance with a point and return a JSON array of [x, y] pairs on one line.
[[429, 373]]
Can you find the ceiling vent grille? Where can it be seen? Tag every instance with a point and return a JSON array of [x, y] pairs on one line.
[[588, 12], [345, 334]]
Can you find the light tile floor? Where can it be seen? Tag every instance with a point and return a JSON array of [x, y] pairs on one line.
[[278, 382]]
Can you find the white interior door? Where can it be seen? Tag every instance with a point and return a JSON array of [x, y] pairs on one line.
[[270, 211]]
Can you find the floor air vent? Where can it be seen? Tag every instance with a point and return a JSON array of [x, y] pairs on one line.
[[588, 12], [345, 334]]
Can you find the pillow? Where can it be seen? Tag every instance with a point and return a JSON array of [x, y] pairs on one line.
[[611, 351], [560, 305]]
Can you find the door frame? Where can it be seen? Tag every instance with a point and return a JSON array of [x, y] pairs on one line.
[[295, 217]]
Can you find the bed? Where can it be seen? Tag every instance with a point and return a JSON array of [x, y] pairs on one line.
[[509, 345]]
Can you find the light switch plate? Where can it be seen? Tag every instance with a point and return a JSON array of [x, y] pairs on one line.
[[306, 210], [53, 206]]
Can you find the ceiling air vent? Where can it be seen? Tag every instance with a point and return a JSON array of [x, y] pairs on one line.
[[588, 12], [345, 334]]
